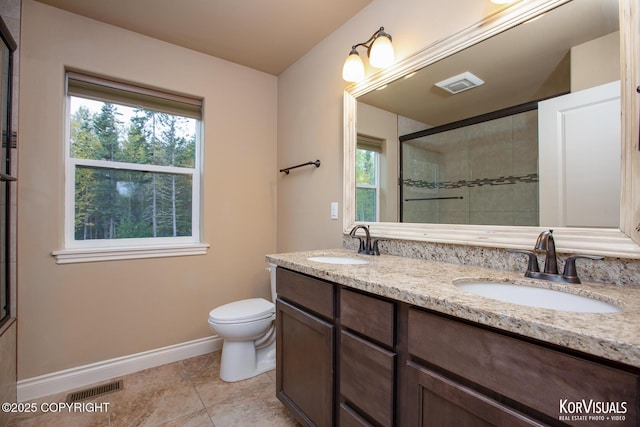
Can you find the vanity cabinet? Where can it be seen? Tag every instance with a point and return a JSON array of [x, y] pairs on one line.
[[305, 347], [350, 358], [462, 374]]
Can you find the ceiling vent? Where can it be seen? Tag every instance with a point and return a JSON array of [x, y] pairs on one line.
[[460, 83]]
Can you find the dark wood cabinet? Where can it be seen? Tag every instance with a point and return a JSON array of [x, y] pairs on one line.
[[349, 358], [305, 348]]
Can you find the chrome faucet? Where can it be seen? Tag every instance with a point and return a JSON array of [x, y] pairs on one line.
[[546, 244], [366, 246]]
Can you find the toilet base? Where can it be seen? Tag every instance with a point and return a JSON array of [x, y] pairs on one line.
[[241, 360]]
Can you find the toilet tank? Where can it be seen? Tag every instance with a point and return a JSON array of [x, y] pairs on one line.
[[272, 271]]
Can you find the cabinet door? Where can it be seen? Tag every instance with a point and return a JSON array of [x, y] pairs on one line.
[[305, 345], [437, 401]]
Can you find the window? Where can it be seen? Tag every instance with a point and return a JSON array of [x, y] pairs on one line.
[[367, 179], [133, 171]]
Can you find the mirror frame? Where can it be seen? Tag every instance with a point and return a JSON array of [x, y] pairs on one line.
[[611, 242]]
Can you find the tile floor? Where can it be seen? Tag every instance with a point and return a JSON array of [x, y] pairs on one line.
[[188, 393]]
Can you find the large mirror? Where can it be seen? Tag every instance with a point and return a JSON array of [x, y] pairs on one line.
[[531, 140]]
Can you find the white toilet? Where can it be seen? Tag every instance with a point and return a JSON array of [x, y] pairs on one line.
[[247, 328]]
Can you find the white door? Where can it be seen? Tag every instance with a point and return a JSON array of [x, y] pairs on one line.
[[579, 158]]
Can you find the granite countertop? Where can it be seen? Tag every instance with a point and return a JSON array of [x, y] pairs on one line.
[[428, 284]]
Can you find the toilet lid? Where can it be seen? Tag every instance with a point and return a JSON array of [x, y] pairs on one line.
[[242, 311]]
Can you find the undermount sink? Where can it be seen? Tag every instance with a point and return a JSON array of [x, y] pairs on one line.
[[538, 297], [338, 260]]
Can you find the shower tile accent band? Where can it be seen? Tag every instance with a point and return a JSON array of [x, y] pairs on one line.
[[503, 180]]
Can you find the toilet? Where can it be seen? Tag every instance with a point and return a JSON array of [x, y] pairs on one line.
[[247, 328]]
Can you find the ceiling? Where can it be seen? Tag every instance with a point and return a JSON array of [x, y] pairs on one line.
[[266, 35]]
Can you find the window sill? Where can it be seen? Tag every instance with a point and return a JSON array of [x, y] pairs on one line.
[[71, 256]]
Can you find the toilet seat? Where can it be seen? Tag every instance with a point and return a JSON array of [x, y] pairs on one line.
[[247, 310]]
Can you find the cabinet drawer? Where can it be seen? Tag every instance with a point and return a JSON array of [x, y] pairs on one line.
[[366, 377], [313, 294], [349, 418], [368, 316], [538, 377]]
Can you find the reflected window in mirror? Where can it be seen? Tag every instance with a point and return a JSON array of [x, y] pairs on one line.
[[368, 178]]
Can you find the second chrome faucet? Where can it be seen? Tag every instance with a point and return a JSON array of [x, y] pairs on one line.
[[546, 244]]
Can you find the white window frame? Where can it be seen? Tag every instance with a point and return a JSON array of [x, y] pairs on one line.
[[130, 248]]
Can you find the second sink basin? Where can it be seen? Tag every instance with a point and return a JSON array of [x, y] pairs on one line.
[[338, 260], [538, 297]]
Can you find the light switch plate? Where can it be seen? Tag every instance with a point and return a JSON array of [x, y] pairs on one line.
[[334, 210]]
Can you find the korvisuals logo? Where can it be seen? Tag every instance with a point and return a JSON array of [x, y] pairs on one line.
[[592, 410]]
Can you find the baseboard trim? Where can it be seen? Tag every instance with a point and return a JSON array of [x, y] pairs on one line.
[[81, 376]]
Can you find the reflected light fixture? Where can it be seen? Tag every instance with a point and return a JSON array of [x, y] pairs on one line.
[[379, 50]]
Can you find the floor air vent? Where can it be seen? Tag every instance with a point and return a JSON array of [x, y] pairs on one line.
[[96, 391]]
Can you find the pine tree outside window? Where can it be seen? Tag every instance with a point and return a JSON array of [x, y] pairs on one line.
[[133, 169]]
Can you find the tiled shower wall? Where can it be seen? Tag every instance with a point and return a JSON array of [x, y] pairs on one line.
[[486, 174]]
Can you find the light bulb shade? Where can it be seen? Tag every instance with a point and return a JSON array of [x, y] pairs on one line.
[[353, 69], [381, 54]]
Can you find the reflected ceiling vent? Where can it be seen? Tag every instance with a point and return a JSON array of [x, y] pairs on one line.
[[460, 83]]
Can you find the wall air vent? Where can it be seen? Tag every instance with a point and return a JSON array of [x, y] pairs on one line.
[[460, 83]]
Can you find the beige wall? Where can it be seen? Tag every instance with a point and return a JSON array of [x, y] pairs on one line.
[[595, 62], [71, 315], [310, 109]]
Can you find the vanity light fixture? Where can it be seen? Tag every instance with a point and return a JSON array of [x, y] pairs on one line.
[[379, 50]]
